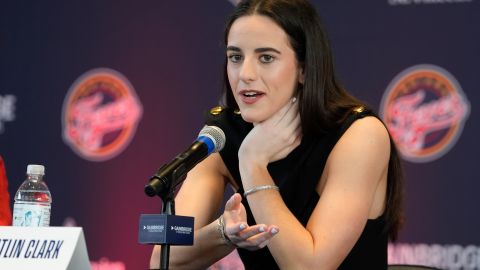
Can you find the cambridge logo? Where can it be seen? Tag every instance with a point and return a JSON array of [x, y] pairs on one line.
[[100, 114], [424, 109]]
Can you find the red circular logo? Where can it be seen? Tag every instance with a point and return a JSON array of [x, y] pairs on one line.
[[424, 109], [100, 114]]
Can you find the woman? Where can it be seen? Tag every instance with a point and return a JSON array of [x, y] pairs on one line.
[[317, 176]]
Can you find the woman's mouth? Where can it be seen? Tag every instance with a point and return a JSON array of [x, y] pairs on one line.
[[250, 96]]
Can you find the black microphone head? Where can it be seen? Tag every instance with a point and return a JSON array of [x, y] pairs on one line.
[[215, 134]]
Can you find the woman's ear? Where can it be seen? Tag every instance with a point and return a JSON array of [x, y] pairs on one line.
[[301, 76]]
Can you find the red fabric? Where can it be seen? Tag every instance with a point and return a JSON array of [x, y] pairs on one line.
[[5, 213]]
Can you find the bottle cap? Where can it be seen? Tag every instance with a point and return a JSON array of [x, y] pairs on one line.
[[35, 169]]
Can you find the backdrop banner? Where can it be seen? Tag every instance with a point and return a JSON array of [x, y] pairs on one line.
[[104, 92]]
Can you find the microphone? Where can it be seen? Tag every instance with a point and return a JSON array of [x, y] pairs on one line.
[[210, 139]]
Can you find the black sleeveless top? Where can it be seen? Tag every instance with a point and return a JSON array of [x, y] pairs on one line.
[[306, 162]]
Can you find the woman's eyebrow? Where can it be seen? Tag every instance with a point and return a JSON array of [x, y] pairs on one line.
[[267, 49], [233, 48], [257, 50]]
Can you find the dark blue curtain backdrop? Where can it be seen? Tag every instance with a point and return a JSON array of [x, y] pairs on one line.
[[172, 54]]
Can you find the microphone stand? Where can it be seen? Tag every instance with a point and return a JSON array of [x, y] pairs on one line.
[[169, 209], [168, 206], [170, 175]]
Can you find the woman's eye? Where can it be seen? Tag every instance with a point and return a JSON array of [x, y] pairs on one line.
[[235, 58], [266, 58]]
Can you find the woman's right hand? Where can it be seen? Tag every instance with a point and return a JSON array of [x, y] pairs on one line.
[[274, 138], [239, 232]]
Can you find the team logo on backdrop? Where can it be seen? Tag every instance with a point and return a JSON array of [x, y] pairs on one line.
[[100, 114], [425, 109]]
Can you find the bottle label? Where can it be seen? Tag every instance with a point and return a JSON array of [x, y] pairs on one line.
[[31, 215]]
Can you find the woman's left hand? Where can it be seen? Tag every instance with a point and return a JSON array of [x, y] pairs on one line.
[[274, 138], [242, 235]]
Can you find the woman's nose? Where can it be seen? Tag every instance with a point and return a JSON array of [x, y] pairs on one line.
[[248, 71]]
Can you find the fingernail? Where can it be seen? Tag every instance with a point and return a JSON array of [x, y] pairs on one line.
[[242, 226], [274, 231], [261, 229]]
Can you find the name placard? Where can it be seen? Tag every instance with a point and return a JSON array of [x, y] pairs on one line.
[[165, 229], [48, 248]]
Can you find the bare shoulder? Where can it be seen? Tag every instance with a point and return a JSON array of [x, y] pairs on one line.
[[365, 143], [369, 128]]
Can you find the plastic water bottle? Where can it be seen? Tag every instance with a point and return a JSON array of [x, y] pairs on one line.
[[32, 200]]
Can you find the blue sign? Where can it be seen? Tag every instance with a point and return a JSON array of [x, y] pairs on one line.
[[165, 229]]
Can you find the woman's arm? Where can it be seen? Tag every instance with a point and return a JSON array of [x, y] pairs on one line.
[[201, 196], [352, 189]]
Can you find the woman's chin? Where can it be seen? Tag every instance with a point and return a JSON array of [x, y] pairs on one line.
[[250, 118]]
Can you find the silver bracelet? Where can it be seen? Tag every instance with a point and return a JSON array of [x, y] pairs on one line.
[[221, 231], [258, 188]]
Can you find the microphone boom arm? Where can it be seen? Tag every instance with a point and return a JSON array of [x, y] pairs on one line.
[[170, 175]]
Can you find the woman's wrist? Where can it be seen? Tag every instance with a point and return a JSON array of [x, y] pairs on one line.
[[251, 159], [260, 188], [252, 167], [221, 231], [254, 175]]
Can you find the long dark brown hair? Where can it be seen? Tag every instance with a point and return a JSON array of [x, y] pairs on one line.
[[323, 102]]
